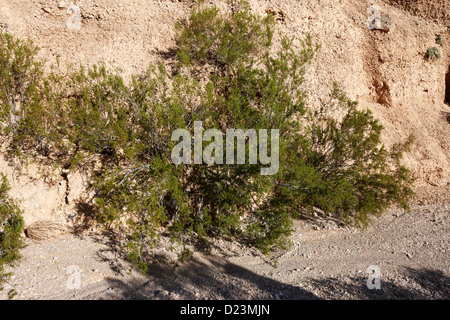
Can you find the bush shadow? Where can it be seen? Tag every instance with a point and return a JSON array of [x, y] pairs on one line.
[[218, 279], [209, 277]]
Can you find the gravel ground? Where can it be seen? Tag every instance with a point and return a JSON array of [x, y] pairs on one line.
[[411, 251]]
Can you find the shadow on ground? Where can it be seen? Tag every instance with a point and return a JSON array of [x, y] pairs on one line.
[[207, 278], [216, 278], [409, 284]]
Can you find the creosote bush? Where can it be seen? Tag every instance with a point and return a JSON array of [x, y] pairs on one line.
[[230, 75], [29, 102], [11, 229]]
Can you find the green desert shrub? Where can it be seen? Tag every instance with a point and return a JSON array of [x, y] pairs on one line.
[[28, 101], [339, 166], [433, 53], [98, 115], [230, 74], [11, 229]]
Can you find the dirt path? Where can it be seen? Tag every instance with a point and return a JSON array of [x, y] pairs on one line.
[[411, 251]]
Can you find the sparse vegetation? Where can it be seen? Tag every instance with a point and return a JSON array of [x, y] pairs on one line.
[[440, 39], [433, 53], [11, 229], [229, 75]]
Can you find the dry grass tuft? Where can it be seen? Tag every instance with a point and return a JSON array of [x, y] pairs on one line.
[[46, 229]]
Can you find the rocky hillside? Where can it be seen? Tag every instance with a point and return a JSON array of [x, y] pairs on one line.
[[435, 10]]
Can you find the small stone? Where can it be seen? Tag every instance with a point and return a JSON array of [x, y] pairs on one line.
[[46, 10], [409, 256], [62, 5]]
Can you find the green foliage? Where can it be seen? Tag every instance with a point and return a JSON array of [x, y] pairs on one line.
[[222, 41], [98, 110], [337, 166], [433, 53], [12, 294], [20, 97], [345, 169], [30, 103], [11, 228], [440, 39], [230, 75]]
